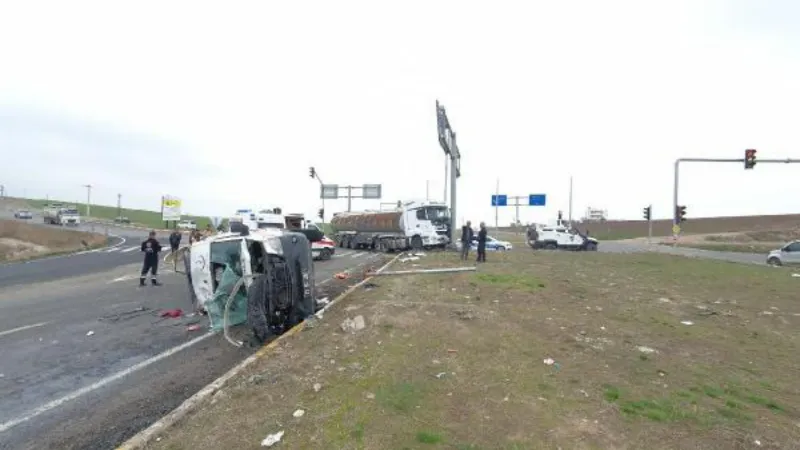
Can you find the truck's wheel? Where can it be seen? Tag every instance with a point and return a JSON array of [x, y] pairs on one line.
[[416, 243], [774, 261], [325, 254], [550, 246], [591, 247]]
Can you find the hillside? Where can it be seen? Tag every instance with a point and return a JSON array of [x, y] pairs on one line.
[[145, 218], [626, 229]]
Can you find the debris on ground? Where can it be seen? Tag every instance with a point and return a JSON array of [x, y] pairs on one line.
[[409, 258], [423, 271], [323, 301], [355, 324], [549, 361], [464, 314], [317, 387], [272, 439], [687, 322], [193, 327], [370, 285], [90, 333], [126, 315], [298, 414], [342, 276], [440, 374], [644, 349], [172, 313]]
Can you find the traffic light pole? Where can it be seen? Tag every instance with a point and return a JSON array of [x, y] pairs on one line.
[[650, 226], [675, 218]]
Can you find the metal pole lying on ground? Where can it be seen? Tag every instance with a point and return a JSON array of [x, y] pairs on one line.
[[422, 271]]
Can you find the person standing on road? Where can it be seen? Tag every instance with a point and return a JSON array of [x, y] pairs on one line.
[[151, 247], [174, 244], [466, 240], [482, 243]]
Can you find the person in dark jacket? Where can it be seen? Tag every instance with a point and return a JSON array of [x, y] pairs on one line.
[[175, 240], [466, 240], [482, 243], [151, 247]]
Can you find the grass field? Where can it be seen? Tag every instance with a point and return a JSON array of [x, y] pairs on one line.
[[629, 229], [534, 350], [22, 241], [149, 219]]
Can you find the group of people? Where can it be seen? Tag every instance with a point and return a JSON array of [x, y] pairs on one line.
[[467, 235], [151, 248]]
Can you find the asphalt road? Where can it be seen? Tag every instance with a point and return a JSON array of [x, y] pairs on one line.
[[634, 247], [87, 362]]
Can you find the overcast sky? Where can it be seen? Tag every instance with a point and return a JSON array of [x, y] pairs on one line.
[[226, 105]]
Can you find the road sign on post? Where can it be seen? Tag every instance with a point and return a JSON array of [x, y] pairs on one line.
[[499, 200], [329, 191], [371, 191], [537, 200]]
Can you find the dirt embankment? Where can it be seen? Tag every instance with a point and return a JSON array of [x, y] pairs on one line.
[[21, 241]]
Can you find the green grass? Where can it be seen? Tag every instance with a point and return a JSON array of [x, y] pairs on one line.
[[510, 280], [150, 219]]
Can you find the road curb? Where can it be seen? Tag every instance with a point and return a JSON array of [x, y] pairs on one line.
[[144, 437]]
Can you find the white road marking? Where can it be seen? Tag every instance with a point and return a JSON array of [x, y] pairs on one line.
[[110, 250], [99, 384], [26, 327], [358, 254], [130, 249]]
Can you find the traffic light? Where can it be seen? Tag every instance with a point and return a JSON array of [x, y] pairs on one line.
[[680, 213], [749, 158], [560, 215], [646, 213], [321, 213], [311, 172]]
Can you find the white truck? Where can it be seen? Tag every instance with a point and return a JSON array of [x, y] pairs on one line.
[[414, 224], [58, 214], [560, 236]]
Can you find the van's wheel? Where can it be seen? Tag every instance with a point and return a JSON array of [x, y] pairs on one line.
[[774, 262], [550, 246], [501, 249], [591, 247], [416, 243]]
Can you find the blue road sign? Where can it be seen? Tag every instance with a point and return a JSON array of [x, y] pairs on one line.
[[500, 200], [537, 199]]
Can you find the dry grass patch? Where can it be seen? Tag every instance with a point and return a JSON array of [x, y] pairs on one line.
[[20, 241], [535, 350]]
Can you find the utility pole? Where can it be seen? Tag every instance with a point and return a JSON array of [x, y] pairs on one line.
[[447, 141], [119, 205], [446, 161], [570, 200], [315, 174], [2, 191], [428, 190], [497, 206], [88, 199]]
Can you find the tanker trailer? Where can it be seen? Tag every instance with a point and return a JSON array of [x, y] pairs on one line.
[[413, 225]]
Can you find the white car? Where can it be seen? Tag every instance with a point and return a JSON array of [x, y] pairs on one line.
[[23, 214], [187, 225], [788, 254]]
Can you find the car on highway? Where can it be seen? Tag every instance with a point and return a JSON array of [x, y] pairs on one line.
[[323, 249], [122, 219], [492, 244], [787, 255], [23, 214], [187, 225]]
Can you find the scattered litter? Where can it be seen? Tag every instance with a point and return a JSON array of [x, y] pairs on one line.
[[193, 327], [452, 350], [664, 300], [342, 276], [644, 349], [687, 322], [422, 271], [368, 286], [370, 395], [410, 258], [42, 339], [436, 362], [603, 328], [299, 413], [505, 399], [272, 439], [464, 314], [549, 361], [90, 333], [317, 387], [774, 308], [172, 313], [585, 394], [2, 375], [440, 374], [355, 324], [766, 313], [796, 275], [323, 301], [757, 442]]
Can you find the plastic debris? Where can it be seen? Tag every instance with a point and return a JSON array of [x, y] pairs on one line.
[[644, 349], [355, 324], [796, 275], [440, 374], [193, 327], [90, 333], [687, 322], [272, 439], [317, 387], [549, 361], [173, 313], [298, 414], [342, 276], [323, 301]]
